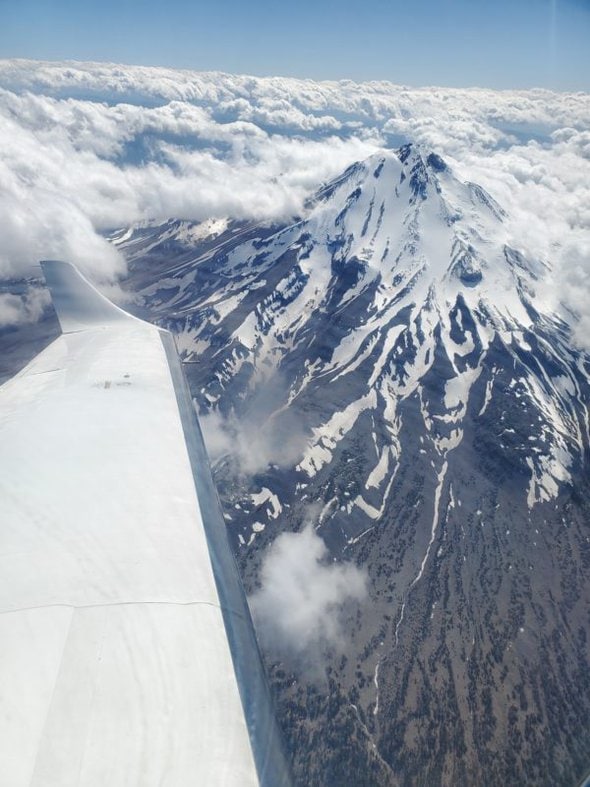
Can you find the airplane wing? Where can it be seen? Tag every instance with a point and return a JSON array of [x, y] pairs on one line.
[[127, 652]]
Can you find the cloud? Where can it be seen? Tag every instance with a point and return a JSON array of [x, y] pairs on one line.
[[266, 433], [28, 307], [302, 597], [297, 103], [67, 171], [89, 147], [575, 288]]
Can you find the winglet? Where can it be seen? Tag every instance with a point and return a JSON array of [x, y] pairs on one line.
[[79, 305]]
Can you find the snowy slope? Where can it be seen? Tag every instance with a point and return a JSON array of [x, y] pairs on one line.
[[409, 271]]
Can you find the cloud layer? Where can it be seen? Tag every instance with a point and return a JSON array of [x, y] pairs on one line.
[[89, 147]]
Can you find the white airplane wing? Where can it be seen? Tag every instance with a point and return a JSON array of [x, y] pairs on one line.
[[127, 653]]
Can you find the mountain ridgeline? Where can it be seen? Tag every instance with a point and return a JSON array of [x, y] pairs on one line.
[[388, 366]]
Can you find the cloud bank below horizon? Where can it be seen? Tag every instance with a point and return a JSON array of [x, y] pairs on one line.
[[91, 147]]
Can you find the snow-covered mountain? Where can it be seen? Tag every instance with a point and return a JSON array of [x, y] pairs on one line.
[[389, 365]]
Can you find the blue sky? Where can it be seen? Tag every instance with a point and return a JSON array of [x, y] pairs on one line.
[[523, 43]]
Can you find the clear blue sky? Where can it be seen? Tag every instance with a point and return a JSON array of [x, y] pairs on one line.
[[522, 43]]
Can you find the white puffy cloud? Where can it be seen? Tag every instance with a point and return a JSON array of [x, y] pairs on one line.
[[302, 596], [66, 174], [28, 307], [240, 97], [87, 147]]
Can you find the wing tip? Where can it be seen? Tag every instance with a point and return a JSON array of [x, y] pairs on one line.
[[77, 302]]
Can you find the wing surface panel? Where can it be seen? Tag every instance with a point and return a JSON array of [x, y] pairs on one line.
[[119, 653]]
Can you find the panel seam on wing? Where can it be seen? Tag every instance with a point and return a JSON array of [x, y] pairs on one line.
[[104, 604]]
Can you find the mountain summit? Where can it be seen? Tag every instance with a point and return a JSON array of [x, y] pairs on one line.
[[390, 359]]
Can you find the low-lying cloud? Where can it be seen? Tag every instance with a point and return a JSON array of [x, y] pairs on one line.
[[90, 147], [302, 597], [253, 441], [265, 432], [25, 308], [70, 169]]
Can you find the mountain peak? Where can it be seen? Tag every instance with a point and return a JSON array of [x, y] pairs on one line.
[[404, 215], [401, 275]]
